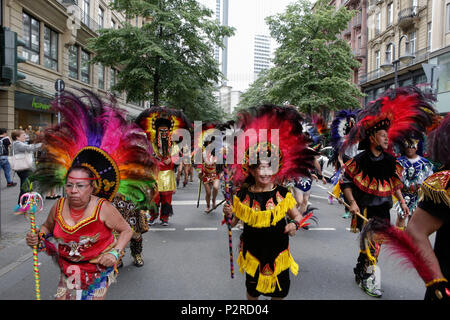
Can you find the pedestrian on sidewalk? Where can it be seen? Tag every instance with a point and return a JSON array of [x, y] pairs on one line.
[[19, 146], [267, 208], [5, 142]]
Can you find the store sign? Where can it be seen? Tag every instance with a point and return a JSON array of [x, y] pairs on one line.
[[38, 105], [25, 101]]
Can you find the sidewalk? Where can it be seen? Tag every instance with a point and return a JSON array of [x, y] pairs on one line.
[[13, 249]]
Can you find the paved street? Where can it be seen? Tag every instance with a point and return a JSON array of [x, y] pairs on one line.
[[189, 259]]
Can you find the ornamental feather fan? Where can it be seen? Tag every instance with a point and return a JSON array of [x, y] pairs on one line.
[[275, 133], [95, 134]]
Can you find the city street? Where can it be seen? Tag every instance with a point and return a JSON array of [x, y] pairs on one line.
[[189, 259]]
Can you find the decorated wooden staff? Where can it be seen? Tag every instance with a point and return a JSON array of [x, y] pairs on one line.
[[199, 193], [348, 207], [217, 205], [227, 192], [30, 203]]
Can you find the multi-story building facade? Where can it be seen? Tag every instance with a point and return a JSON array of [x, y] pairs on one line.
[[440, 52], [261, 53], [391, 25], [56, 33], [356, 35]]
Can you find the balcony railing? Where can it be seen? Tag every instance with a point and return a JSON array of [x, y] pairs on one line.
[[420, 56], [85, 18], [407, 15]]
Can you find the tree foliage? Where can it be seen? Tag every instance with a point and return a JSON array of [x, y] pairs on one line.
[[169, 57], [312, 65]]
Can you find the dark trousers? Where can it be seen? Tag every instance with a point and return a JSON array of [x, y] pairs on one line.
[[23, 176]]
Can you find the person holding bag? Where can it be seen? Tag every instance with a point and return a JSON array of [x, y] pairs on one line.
[[22, 158]]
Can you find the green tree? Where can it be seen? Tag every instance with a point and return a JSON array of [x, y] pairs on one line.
[[169, 56], [313, 65]]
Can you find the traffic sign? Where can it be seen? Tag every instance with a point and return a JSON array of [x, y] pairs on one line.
[[59, 85]]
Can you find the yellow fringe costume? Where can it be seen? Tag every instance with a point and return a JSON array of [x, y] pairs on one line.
[[271, 223]]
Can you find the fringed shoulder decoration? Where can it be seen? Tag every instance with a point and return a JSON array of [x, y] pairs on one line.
[[435, 188], [265, 218], [374, 185]]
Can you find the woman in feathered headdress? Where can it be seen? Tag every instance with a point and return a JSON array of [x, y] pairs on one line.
[[94, 153], [373, 176], [160, 124], [270, 150]]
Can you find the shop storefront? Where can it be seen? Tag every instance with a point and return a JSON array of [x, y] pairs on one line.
[[443, 83], [32, 110]]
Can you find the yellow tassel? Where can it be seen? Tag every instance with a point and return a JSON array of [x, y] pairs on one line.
[[262, 219], [337, 190], [248, 264], [267, 283]]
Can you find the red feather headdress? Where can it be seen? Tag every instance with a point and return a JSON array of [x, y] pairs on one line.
[[402, 112], [274, 132]]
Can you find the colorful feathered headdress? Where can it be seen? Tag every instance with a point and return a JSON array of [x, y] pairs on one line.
[[94, 134], [152, 119], [274, 132], [341, 125], [402, 111]]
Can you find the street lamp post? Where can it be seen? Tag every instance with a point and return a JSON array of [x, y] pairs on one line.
[[406, 58]]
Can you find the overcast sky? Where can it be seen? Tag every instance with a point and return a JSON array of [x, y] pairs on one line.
[[247, 17]]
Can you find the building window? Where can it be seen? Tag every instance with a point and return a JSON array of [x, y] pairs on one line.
[[85, 67], [101, 17], [390, 14], [101, 76], [429, 26], [85, 14], [377, 59], [50, 48], [448, 17], [377, 23], [112, 77], [73, 62], [113, 24], [412, 42], [31, 36]]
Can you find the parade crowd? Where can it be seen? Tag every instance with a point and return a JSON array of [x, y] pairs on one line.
[[119, 177]]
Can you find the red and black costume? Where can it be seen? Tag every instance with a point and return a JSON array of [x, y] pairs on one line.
[[160, 123]]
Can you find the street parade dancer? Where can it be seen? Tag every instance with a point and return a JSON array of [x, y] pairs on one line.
[[373, 176], [94, 154], [270, 150], [432, 214], [340, 128], [301, 187], [160, 124], [416, 169], [209, 170]]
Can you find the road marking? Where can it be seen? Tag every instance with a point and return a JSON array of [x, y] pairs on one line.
[[161, 229], [323, 229], [319, 197], [15, 264], [190, 202], [200, 229]]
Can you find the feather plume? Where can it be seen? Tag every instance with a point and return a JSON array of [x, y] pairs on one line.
[[399, 243], [87, 121]]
